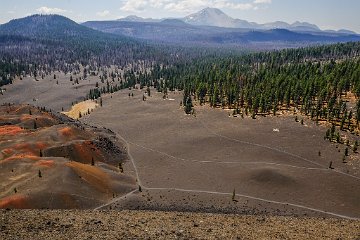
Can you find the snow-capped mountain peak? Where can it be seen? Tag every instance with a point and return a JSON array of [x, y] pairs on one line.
[[210, 17]]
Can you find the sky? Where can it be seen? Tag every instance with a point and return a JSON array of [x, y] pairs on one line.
[[327, 14]]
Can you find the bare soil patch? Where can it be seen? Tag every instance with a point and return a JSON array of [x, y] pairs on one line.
[[188, 163], [58, 94], [81, 109]]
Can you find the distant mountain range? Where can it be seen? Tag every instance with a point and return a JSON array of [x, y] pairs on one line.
[[216, 18], [212, 26], [205, 28]]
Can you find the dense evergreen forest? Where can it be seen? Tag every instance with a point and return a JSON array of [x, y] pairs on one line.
[[24, 56], [315, 81]]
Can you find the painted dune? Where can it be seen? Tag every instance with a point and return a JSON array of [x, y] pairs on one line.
[[49, 161]]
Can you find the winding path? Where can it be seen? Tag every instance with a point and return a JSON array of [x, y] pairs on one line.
[[209, 192], [318, 168]]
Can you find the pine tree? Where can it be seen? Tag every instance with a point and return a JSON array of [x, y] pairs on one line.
[[327, 134], [121, 167], [338, 138], [355, 147], [188, 105]]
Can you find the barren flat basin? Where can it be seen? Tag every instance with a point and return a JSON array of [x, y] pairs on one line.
[[197, 163]]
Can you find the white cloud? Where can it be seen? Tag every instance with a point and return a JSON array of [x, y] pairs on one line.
[[262, 1], [103, 13], [10, 12], [159, 3], [188, 6], [47, 10], [135, 5], [231, 5]]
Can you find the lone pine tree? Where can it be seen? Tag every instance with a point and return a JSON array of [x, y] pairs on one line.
[[188, 105], [121, 167]]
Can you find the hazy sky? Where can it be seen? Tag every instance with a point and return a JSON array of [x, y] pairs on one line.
[[327, 14]]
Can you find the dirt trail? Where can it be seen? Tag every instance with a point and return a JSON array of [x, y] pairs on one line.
[[210, 192]]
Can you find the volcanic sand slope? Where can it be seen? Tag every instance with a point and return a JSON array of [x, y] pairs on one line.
[[46, 162], [195, 163], [56, 94]]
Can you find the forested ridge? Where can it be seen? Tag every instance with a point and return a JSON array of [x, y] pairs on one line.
[[314, 81], [37, 57], [41, 44]]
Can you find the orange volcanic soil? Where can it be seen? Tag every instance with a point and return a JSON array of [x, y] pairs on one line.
[[20, 157], [33, 148], [83, 152], [96, 177], [7, 151], [16, 201], [87, 150], [26, 117], [70, 133], [66, 132], [55, 165], [41, 145], [23, 151], [10, 130], [45, 163]]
